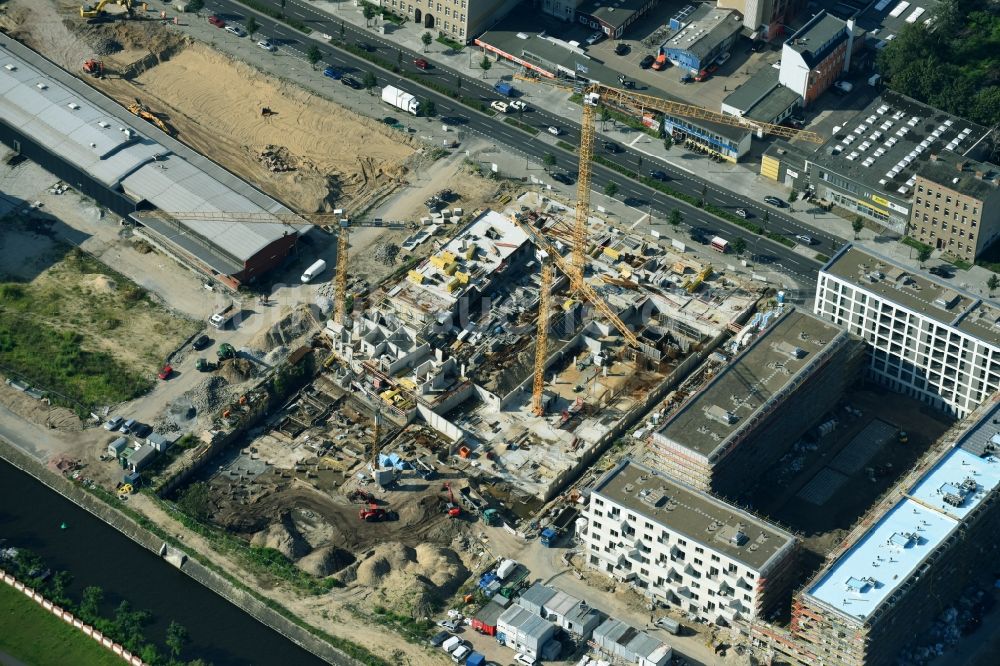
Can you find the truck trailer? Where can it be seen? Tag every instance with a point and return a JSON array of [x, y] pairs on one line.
[[400, 99]]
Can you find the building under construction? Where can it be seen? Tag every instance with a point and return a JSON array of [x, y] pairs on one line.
[[789, 369], [896, 572]]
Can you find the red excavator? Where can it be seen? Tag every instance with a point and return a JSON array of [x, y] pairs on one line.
[[94, 67], [451, 508], [359, 496], [373, 514]]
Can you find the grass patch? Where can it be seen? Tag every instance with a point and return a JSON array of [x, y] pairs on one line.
[[276, 14], [386, 14], [822, 257], [411, 628], [450, 43], [915, 244], [33, 635], [566, 146], [960, 264], [524, 127]]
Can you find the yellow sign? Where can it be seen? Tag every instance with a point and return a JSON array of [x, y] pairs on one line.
[[879, 200]]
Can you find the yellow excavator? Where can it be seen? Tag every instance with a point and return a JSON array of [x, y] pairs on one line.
[[98, 10], [141, 110]]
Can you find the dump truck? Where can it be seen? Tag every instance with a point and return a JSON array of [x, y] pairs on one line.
[[225, 351], [224, 315], [400, 99]]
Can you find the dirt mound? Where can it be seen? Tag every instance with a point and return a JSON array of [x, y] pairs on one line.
[[101, 284], [409, 580], [284, 537], [237, 370], [39, 411], [293, 324], [325, 561]]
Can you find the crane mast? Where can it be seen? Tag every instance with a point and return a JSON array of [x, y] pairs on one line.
[[542, 337]]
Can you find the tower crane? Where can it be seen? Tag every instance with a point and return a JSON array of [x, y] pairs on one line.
[[542, 337], [326, 220]]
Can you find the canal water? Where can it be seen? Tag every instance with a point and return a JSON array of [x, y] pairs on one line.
[[97, 554]]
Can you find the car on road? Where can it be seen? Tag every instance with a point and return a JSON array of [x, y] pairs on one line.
[[554, 131], [334, 74], [216, 21], [114, 423], [647, 62], [805, 240], [236, 30], [612, 147], [659, 175], [940, 271], [621, 48], [775, 201], [517, 105], [450, 625], [628, 85], [352, 82], [389, 120], [202, 342], [698, 236], [498, 106], [563, 178], [742, 212], [421, 63], [364, 46], [166, 372], [267, 45], [439, 638]]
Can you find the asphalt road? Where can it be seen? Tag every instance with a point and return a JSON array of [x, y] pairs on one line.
[[644, 199]]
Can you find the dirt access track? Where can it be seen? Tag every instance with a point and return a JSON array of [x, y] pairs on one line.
[[312, 154]]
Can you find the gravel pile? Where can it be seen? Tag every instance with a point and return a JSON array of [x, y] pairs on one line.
[[104, 45], [385, 253], [206, 397]]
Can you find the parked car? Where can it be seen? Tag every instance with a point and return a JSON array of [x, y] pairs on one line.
[[805, 240], [703, 75], [647, 62], [114, 423], [459, 655], [236, 30], [775, 201], [742, 212], [216, 21], [166, 372], [129, 426], [201, 342], [421, 63], [722, 59], [524, 659], [661, 62], [661, 176], [266, 45], [450, 625], [687, 78], [352, 82], [621, 48], [628, 85], [595, 37], [563, 178], [439, 638], [332, 73], [498, 106], [554, 131], [940, 271], [612, 147]]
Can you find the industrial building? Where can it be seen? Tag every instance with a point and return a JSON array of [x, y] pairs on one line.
[[100, 149], [700, 35], [684, 547], [625, 643], [788, 369], [956, 208], [897, 571], [612, 19], [926, 338], [763, 98], [574, 616], [869, 165], [520, 629], [816, 55]]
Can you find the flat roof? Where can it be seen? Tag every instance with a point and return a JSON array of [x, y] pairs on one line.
[[526, 622], [917, 291], [960, 174], [703, 29], [818, 37], [775, 103], [726, 406], [886, 18], [889, 553], [753, 90], [884, 144], [698, 516]]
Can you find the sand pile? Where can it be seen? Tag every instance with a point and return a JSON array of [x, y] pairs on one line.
[[325, 561], [284, 537], [101, 284], [236, 370], [294, 323]]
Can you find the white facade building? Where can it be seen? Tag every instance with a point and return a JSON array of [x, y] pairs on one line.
[[926, 338], [685, 547]]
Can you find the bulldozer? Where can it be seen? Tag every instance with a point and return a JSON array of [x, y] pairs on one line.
[[143, 111], [99, 11]]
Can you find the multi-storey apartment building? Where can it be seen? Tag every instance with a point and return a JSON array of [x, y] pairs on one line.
[[925, 338], [460, 20], [788, 371], [684, 547], [907, 563], [816, 56], [956, 208]]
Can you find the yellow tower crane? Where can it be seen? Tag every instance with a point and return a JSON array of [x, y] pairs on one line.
[[542, 338], [325, 220]]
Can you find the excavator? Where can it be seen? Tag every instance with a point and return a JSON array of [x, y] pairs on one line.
[[451, 508], [94, 67], [141, 110], [98, 11]]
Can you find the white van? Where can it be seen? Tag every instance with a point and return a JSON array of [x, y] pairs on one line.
[[451, 644], [459, 655], [313, 271]]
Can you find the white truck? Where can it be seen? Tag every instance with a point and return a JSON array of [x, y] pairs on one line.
[[400, 99], [318, 267], [224, 315]]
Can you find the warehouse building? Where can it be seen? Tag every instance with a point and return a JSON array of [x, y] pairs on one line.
[[700, 35], [902, 567], [98, 148], [926, 338], [686, 548], [791, 368]]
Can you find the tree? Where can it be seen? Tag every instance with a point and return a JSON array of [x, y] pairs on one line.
[[611, 189], [58, 586], [549, 160], [426, 39], [858, 224], [704, 196], [793, 196], [369, 12], [923, 254], [251, 26], [195, 6], [314, 55], [485, 65], [675, 218], [369, 81], [177, 638], [605, 114], [458, 82], [426, 108], [764, 220], [739, 246], [993, 283], [195, 501], [90, 603], [668, 141], [399, 58]]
